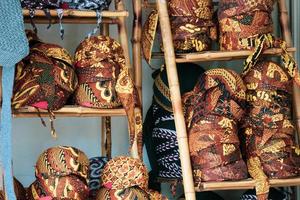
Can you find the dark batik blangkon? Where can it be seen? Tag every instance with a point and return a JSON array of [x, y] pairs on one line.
[[213, 111], [268, 128]]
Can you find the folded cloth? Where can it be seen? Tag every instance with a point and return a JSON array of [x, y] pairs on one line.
[[58, 188], [105, 82], [126, 175], [159, 127], [192, 27], [213, 110], [242, 22], [268, 129], [59, 161]]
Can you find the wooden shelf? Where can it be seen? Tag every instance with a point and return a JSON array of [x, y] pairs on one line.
[[78, 13], [218, 55], [68, 20], [69, 111], [236, 185]]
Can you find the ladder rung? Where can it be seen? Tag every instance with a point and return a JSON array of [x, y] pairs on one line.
[[219, 55], [78, 13]]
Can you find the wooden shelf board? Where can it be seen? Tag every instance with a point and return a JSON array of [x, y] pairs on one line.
[[236, 185], [77, 13], [69, 111], [70, 20], [218, 55]]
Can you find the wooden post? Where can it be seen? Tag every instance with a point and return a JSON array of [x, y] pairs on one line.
[[286, 33], [187, 174], [124, 42], [108, 137], [136, 45], [123, 33], [103, 137]]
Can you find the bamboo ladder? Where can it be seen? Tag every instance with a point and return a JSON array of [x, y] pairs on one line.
[[171, 59]]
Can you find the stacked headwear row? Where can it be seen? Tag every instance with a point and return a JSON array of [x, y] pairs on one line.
[[97, 78], [235, 121], [65, 172]]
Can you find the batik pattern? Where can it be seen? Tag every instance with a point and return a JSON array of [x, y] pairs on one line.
[[160, 135], [86, 4], [242, 22], [132, 193], [268, 129], [95, 170], [104, 81], [62, 161], [165, 142], [59, 188], [45, 78], [40, 4], [122, 174], [191, 24], [192, 27], [213, 111]]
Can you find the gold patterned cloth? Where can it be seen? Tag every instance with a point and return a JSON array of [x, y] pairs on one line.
[[126, 175], [192, 26], [242, 22], [104, 81], [58, 188], [132, 193], [62, 161], [45, 78], [61, 174], [213, 111], [267, 128]]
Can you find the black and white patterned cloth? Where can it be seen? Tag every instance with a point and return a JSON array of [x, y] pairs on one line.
[[88, 4], [96, 167], [165, 143], [40, 4]]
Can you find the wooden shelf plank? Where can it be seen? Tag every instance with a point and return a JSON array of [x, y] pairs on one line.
[[219, 55], [236, 185], [69, 111], [78, 13], [70, 20]]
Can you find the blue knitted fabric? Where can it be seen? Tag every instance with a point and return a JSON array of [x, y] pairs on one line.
[[13, 47]]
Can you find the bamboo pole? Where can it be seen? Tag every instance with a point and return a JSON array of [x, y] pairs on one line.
[[187, 174], [286, 33], [136, 45], [78, 13], [124, 42], [123, 33], [103, 137], [68, 20], [108, 137], [105, 29]]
